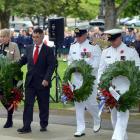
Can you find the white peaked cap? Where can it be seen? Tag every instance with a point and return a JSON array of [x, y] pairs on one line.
[[113, 31]]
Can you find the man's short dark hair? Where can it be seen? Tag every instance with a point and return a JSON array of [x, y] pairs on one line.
[[38, 30]]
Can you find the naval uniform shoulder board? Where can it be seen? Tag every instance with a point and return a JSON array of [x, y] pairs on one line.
[[108, 46], [74, 42], [90, 43]]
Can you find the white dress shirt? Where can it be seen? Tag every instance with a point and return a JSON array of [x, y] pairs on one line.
[[40, 46]]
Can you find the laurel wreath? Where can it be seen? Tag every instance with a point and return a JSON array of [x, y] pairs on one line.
[[85, 70], [125, 68], [9, 73]]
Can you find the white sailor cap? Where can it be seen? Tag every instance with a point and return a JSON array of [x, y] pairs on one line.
[[113, 34], [80, 31]]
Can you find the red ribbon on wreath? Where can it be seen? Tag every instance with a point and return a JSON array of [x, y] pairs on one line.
[[110, 101], [16, 99], [68, 92]]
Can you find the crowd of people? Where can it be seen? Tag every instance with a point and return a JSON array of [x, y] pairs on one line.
[[102, 48], [130, 36]]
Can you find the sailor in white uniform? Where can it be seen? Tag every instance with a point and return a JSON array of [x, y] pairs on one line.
[[118, 52], [82, 49]]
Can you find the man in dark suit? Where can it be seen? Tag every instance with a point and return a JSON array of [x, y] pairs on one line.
[[40, 62]]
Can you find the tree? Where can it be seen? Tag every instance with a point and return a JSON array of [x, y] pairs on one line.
[[32, 8], [46, 8], [132, 9], [112, 11], [6, 8]]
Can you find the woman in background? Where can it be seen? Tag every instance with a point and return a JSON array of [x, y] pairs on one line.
[[10, 50]]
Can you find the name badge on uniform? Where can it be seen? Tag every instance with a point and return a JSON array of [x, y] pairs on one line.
[[123, 58], [74, 52], [108, 57]]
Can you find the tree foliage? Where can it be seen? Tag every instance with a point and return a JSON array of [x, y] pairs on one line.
[[82, 9], [132, 9], [113, 8], [6, 8]]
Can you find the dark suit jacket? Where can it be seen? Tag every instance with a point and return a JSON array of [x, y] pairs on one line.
[[42, 70]]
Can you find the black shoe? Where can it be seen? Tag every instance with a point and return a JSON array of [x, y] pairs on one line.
[[79, 134], [8, 124], [43, 129], [24, 130]]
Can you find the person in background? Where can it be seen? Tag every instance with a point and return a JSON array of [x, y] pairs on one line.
[[129, 38], [27, 40], [68, 40], [137, 43], [47, 41], [20, 41], [13, 35], [118, 51], [92, 57], [41, 63], [10, 50]]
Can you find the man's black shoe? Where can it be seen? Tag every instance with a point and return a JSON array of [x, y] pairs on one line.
[[24, 130], [8, 124], [43, 129]]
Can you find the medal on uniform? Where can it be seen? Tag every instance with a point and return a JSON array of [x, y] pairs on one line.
[[85, 54], [123, 58]]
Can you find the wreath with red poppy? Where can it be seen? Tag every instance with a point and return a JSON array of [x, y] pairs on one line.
[[85, 90], [10, 74], [131, 97]]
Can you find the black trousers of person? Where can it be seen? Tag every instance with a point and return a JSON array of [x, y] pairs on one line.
[[42, 95], [9, 112]]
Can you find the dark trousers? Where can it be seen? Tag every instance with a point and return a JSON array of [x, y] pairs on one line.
[[9, 112], [43, 103]]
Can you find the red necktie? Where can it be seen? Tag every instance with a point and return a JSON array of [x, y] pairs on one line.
[[36, 54]]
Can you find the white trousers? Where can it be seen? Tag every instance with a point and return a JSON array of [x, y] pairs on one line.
[[92, 107], [90, 104], [119, 122]]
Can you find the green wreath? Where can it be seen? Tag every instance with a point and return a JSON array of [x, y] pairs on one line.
[[10, 74], [124, 68], [85, 69]]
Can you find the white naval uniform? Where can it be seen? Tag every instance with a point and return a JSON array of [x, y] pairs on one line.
[[109, 56], [75, 53]]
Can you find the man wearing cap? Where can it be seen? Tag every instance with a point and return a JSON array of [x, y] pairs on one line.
[[117, 52], [130, 37], [82, 49]]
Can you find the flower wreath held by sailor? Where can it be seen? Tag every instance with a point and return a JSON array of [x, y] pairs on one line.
[[123, 96], [82, 49], [118, 52], [81, 94]]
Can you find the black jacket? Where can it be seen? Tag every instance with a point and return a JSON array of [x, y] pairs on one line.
[[137, 46], [42, 70]]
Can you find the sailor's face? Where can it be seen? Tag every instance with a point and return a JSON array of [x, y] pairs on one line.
[[116, 42]]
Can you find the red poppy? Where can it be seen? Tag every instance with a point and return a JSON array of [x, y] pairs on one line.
[[84, 49], [122, 51]]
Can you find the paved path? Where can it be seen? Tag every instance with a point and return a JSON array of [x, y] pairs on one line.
[[55, 132], [62, 126]]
